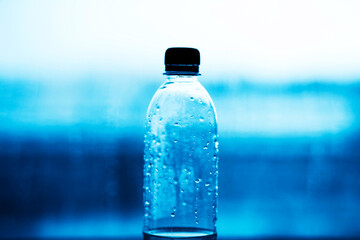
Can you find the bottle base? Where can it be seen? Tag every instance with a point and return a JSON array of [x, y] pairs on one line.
[[179, 233]]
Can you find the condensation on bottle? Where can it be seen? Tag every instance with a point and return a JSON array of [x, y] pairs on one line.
[[181, 154]]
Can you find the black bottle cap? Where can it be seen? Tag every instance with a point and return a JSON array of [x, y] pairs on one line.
[[182, 61]]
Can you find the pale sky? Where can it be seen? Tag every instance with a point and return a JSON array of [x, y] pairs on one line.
[[260, 40]]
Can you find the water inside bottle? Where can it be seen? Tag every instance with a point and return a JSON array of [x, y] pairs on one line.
[[181, 164]]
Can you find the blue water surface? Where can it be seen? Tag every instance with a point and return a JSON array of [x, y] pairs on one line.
[[72, 154]]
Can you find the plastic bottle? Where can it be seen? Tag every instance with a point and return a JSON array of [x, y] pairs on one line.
[[181, 154]]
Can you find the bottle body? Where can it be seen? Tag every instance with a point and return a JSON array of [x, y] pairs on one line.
[[181, 162]]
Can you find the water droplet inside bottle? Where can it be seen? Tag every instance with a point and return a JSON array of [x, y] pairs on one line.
[[176, 124], [198, 180], [172, 214], [191, 98], [197, 222], [201, 119], [205, 148], [147, 203], [207, 184], [175, 141]]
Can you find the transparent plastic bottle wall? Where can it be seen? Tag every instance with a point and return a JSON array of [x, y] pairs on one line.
[[181, 159]]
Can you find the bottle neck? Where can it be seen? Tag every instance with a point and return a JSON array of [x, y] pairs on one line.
[[182, 78]]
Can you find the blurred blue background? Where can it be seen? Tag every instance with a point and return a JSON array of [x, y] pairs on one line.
[[76, 78]]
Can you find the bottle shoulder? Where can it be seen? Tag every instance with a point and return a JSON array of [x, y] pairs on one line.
[[183, 101], [182, 93]]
